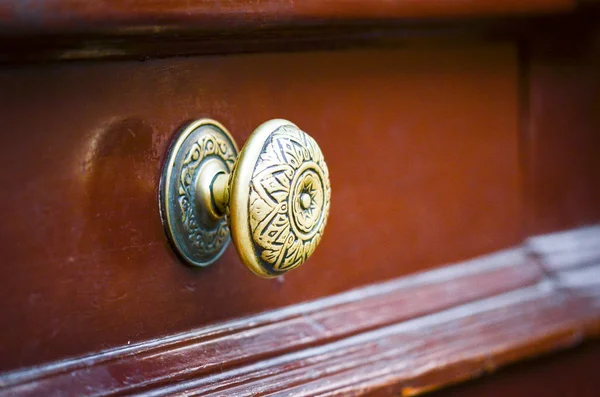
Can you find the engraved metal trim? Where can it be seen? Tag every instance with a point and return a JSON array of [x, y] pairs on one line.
[[203, 149]]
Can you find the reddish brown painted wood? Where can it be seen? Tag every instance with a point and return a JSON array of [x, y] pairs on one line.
[[571, 373], [139, 16], [573, 258], [94, 41], [368, 340], [404, 353], [128, 46], [562, 129], [114, 29], [211, 350], [86, 265]]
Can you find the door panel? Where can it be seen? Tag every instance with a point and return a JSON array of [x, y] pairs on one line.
[[422, 147]]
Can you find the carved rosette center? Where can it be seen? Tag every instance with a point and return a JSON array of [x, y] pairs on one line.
[[289, 199]]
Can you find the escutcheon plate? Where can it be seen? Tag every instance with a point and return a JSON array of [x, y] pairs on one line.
[[202, 149]]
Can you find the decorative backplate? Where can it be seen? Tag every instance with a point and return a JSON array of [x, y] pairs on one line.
[[203, 148], [280, 197]]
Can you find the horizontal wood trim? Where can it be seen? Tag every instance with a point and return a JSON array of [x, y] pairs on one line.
[[420, 332], [68, 30], [246, 340], [572, 258], [423, 354], [81, 16], [567, 250]]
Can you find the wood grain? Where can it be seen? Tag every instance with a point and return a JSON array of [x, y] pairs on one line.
[[95, 301], [67, 30], [404, 353], [573, 258], [43, 40], [562, 129], [80, 16], [563, 251], [214, 349], [414, 335], [87, 265], [569, 373]]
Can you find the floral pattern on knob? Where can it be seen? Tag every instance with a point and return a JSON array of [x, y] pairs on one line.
[[289, 199]]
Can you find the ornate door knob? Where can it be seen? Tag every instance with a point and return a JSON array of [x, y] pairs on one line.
[[272, 199]]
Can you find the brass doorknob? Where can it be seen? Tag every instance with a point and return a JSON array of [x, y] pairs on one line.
[[274, 196]]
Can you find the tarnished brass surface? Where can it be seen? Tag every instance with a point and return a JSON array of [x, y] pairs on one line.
[[275, 196], [196, 228]]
